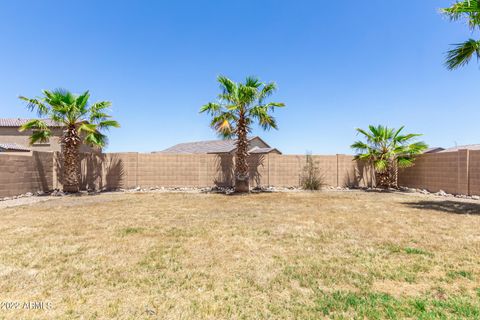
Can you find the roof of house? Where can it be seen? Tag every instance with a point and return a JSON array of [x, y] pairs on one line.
[[213, 146], [263, 150], [434, 150], [17, 122], [467, 146], [13, 147]]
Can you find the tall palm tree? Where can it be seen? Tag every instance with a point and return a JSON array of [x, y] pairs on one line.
[[239, 106], [463, 52], [387, 149], [81, 122]]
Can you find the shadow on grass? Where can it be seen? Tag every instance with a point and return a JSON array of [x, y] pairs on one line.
[[455, 207]]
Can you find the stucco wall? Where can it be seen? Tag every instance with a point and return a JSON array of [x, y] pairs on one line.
[[12, 135]]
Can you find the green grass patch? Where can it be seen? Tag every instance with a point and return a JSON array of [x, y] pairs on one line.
[[410, 250], [371, 305], [130, 230], [460, 274]]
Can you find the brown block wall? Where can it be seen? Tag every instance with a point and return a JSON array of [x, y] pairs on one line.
[[453, 172], [30, 173], [474, 172]]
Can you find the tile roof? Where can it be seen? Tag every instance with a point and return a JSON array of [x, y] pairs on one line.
[[467, 146], [263, 150], [434, 150], [13, 147], [211, 146], [17, 122]]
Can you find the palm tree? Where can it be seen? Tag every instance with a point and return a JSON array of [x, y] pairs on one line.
[[80, 121], [238, 106], [463, 52], [387, 150]]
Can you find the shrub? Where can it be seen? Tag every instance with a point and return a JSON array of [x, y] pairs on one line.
[[311, 178]]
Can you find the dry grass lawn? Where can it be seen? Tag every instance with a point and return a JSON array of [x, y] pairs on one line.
[[207, 256]]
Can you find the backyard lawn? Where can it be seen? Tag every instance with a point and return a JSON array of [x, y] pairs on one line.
[[291, 255]]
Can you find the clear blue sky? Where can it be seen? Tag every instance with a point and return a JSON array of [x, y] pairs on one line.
[[338, 65]]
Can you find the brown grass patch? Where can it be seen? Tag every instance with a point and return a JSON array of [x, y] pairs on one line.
[[281, 255]]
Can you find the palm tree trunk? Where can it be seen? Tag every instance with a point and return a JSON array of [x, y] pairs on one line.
[[71, 158], [395, 176], [241, 157]]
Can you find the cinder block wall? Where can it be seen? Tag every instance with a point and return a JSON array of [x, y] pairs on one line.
[[453, 172], [20, 174], [183, 170]]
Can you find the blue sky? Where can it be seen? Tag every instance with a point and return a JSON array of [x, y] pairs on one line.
[[338, 65]]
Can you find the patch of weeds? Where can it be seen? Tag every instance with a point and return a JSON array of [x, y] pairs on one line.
[[264, 233], [410, 278], [163, 259], [130, 230], [460, 274], [372, 305], [419, 305], [409, 250], [393, 248]]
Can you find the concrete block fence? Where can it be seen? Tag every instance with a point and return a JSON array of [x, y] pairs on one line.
[[453, 172]]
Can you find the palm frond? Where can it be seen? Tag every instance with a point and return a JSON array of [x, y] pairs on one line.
[[265, 120], [87, 127], [273, 105], [36, 105], [82, 100], [107, 124], [252, 82], [211, 108], [405, 162], [96, 138], [100, 106], [469, 9], [35, 124], [381, 165], [224, 124], [41, 132], [42, 136], [267, 90], [359, 146], [462, 54], [227, 85]]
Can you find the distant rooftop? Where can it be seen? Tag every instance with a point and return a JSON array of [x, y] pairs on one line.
[[17, 122], [434, 150], [214, 146], [12, 147], [467, 146]]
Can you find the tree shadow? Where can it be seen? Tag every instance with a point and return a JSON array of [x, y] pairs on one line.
[[225, 164], [362, 176], [456, 207], [41, 172], [101, 171], [90, 171], [255, 161], [224, 170], [114, 172]]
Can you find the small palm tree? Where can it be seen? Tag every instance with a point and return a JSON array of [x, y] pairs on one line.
[[463, 52], [387, 150], [81, 122], [238, 106]]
